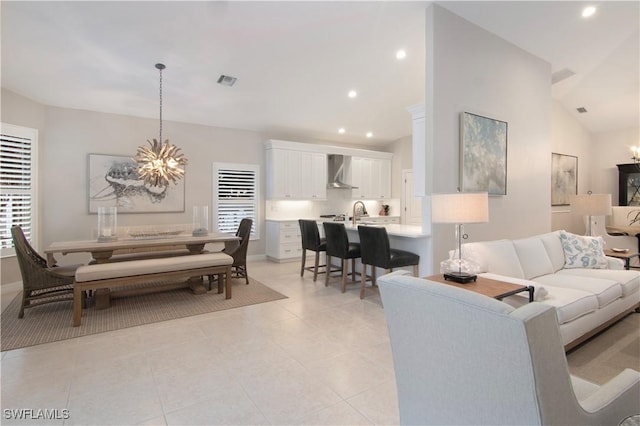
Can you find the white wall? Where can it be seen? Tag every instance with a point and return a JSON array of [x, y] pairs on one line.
[[470, 69], [570, 138]]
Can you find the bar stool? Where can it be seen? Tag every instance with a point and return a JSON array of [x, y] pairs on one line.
[[311, 241], [338, 245], [376, 251]]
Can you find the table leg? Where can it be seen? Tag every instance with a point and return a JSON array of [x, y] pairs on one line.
[[102, 256], [195, 248], [196, 284]]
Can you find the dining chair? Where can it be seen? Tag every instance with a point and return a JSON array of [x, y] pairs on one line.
[[239, 253], [377, 252], [40, 284], [311, 241], [338, 245]]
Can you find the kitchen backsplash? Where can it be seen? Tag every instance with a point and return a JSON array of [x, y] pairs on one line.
[[338, 202]]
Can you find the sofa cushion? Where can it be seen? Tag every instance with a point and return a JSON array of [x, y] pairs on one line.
[[583, 252], [629, 280], [533, 256], [570, 304], [606, 291], [552, 243], [497, 256]]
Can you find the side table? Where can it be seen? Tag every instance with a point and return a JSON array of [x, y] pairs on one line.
[[487, 287], [624, 255]]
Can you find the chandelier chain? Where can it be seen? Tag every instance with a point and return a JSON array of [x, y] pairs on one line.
[[160, 104]]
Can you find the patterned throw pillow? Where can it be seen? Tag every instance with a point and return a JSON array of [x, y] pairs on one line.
[[583, 252]]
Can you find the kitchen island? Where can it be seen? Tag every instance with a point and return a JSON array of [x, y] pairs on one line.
[[284, 243]]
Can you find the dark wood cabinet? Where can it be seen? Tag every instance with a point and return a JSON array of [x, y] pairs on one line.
[[629, 184]]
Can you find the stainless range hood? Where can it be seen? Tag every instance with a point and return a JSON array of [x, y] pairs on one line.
[[337, 164]]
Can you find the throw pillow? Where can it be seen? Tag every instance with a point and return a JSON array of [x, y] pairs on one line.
[[583, 252]]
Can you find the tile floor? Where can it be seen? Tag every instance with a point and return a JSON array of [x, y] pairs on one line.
[[318, 357]]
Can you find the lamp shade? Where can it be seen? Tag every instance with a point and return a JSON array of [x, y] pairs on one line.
[[591, 204], [460, 208]]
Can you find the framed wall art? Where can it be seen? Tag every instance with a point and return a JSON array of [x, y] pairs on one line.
[[483, 154], [564, 178], [113, 181]]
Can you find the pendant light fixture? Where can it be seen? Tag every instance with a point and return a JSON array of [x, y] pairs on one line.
[[160, 163]]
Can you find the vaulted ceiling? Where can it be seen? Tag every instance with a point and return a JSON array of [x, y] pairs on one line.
[[296, 61]]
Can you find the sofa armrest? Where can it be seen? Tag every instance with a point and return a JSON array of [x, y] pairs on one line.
[[614, 263]]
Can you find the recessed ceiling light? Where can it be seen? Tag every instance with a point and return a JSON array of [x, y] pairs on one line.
[[401, 54], [369, 134], [341, 130], [352, 94], [588, 11]]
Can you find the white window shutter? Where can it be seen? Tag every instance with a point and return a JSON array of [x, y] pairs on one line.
[[235, 196], [17, 183]]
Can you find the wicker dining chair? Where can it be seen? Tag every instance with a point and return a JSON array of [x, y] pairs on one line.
[[40, 284], [239, 253]]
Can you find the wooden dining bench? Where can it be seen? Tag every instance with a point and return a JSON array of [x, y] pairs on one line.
[[134, 272]]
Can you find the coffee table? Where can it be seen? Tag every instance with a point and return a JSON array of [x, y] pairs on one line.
[[487, 287], [624, 255]]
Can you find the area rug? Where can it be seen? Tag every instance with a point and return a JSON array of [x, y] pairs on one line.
[[52, 322]]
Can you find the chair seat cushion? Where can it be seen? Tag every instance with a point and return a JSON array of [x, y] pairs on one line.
[[402, 258]]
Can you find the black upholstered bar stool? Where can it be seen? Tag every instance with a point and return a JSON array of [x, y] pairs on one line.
[[377, 252], [311, 241], [338, 245]]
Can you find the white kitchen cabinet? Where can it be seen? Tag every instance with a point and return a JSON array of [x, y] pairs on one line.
[[284, 242], [296, 175], [372, 177]]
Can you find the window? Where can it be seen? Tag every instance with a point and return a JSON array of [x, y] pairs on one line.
[[235, 196], [17, 183]]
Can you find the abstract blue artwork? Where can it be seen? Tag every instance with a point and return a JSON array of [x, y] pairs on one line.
[[483, 154]]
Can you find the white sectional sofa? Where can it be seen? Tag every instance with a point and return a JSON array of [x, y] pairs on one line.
[[587, 299]]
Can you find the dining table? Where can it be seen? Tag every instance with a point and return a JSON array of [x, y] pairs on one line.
[[103, 251]]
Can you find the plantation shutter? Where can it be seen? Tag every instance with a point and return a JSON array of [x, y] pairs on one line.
[[235, 196], [17, 183]]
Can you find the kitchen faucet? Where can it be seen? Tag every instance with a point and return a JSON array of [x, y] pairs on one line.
[[355, 211]]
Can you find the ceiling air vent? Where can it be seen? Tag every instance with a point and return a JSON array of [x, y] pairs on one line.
[[581, 110], [560, 75], [227, 80]]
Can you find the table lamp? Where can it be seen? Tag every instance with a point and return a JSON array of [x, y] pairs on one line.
[[460, 208], [590, 204]]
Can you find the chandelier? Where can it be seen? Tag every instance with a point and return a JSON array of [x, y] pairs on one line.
[[160, 163]]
